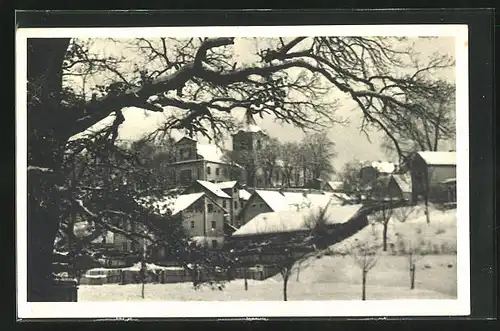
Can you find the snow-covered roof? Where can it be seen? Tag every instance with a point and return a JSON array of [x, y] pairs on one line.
[[184, 201], [342, 197], [403, 181], [293, 220], [323, 199], [337, 185], [225, 185], [211, 153], [174, 204], [244, 194], [274, 199], [214, 189], [384, 167], [449, 181], [252, 128], [294, 200], [439, 158]]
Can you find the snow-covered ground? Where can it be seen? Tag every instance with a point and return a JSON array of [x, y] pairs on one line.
[[336, 276], [326, 278], [439, 236]]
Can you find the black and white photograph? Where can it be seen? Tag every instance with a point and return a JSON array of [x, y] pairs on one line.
[[242, 171]]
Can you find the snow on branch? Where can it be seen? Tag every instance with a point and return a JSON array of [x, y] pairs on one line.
[[40, 169], [97, 217]]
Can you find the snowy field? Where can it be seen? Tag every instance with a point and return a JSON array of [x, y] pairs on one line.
[[326, 278]]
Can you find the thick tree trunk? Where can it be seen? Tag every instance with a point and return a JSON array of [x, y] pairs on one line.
[[285, 286], [384, 237], [427, 216], [47, 133], [42, 226], [246, 278], [363, 293], [412, 276], [285, 273]]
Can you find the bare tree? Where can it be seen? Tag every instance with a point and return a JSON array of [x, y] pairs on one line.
[[425, 133], [318, 152], [290, 156], [269, 156], [350, 177], [365, 255], [383, 216], [402, 213], [414, 255]]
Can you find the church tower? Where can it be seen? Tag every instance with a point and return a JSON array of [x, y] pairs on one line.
[[247, 141]]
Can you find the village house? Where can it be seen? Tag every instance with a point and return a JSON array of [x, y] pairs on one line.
[[202, 217], [428, 172], [400, 187], [372, 170], [196, 161], [285, 227], [227, 194], [235, 191], [333, 186], [450, 187]]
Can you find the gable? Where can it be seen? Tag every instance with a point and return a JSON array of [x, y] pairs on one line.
[[185, 141], [254, 198]]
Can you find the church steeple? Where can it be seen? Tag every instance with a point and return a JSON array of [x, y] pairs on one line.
[[249, 124]]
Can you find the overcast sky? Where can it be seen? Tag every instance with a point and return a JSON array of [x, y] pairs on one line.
[[350, 142]]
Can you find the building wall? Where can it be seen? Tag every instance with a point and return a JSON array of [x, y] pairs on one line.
[[217, 172], [234, 204], [368, 174], [124, 244], [210, 225], [195, 168], [185, 149], [225, 203], [438, 174], [250, 141], [429, 177], [253, 207]]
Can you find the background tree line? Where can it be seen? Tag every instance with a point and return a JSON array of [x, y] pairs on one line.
[[290, 163]]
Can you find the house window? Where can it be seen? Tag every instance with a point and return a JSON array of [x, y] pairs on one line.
[[125, 246], [214, 225], [186, 176], [224, 203], [236, 205], [253, 205], [235, 189], [208, 171], [198, 173], [261, 205], [210, 208], [214, 243], [224, 172], [192, 224], [217, 171], [258, 144]]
